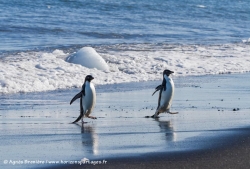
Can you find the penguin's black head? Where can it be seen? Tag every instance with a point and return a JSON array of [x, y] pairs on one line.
[[167, 72], [89, 78]]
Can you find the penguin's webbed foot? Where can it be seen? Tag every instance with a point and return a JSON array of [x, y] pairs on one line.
[[173, 112], [92, 117], [153, 116], [82, 122]]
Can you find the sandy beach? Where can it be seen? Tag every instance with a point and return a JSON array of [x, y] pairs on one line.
[[211, 130]]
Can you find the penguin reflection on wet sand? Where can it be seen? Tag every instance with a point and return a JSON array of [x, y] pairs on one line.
[[89, 138], [165, 95], [87, 99]]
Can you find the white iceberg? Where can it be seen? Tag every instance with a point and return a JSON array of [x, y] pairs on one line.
[[88, 57]]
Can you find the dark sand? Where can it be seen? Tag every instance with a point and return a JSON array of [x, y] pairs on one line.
[[207, 132]]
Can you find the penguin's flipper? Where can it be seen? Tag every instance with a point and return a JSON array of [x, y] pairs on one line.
[[81, 112], [157, 89], [77, 96]]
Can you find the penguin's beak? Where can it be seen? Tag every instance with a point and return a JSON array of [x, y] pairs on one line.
[[171, 71], [92, 78]]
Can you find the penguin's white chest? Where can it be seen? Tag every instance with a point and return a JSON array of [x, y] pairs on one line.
[[167, 95], [88, 101]]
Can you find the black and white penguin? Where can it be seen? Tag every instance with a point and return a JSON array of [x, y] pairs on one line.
[[165, 95], [87, 99]]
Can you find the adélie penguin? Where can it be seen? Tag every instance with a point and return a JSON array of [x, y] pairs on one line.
[[165, 95], [87, 99]]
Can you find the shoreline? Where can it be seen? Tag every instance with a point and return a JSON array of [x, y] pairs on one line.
[[35, 128]]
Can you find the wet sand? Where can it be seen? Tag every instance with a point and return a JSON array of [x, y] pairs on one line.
[[210, 131], [233, 153]]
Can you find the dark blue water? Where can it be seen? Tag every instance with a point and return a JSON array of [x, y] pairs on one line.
[[29, 25]]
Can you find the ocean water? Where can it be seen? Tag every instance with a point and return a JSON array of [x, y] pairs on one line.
[[137, 39]]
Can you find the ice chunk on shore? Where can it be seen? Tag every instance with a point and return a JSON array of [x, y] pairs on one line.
[[88, 57]]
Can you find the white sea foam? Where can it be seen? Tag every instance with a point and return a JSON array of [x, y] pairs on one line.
[[246, 40], [42, 71], [201, 6]]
